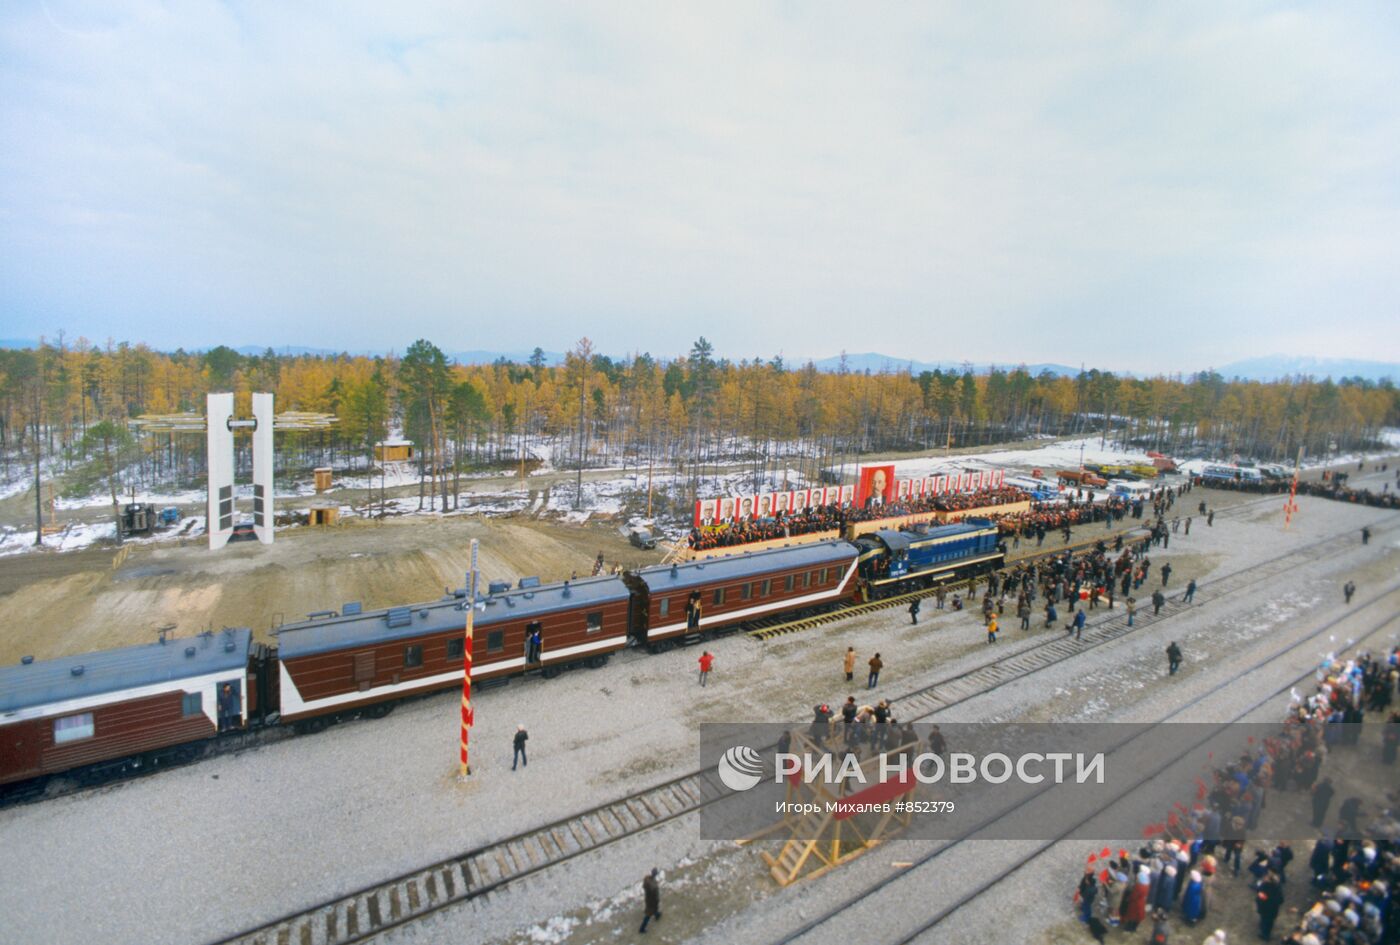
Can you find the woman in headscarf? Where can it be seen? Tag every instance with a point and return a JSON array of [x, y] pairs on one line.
[[1192, 902]]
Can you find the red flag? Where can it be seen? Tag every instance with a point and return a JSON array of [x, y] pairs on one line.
[[1103, 876], [1106, 853], [1122, 854], [1093, 857]]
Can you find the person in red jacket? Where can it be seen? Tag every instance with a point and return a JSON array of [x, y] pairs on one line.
[[707, 661]]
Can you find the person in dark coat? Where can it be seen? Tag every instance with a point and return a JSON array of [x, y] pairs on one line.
[[1321, 800], [914, 611], [1088, 889], [1268, 901], [521, 736], [1173, 658], [1158, 599], [651, 898], [1160, 929]]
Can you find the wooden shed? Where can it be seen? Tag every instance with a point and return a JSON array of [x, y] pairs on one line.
[[323, 478], [323, 515], [390, 451]]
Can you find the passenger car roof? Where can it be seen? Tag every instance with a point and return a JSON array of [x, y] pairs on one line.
[[46, 681], [308, 637], [668, 577]]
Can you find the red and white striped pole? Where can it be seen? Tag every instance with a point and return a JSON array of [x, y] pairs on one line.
[[467, 715]]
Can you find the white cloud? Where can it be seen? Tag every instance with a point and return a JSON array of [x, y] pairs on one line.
[[980, 182]]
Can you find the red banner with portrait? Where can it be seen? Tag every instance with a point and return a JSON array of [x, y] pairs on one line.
[[875, 486]]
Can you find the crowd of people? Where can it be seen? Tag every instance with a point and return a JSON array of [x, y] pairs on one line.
[[1332, 486], [744, 531], [1354, 863]]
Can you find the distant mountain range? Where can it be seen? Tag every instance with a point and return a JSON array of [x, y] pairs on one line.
[[876, 363], [1267, 368], [1274, 366]]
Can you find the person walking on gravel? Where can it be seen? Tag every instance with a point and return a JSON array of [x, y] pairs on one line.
[[707, 662], [1023, 611], [1166, 573], [850, 663], [992, 630], [1076, 626], [651, 898], [1131, 605], [1366, 535], [1158, 599], [1173, 658], [1210, 519], [1188, 524], [914, 611], [1349, 588], [876, 664], [1190, 591], [521, 736], [1322, 793]]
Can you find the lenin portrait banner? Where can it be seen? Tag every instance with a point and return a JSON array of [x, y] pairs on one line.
[[875, 486]]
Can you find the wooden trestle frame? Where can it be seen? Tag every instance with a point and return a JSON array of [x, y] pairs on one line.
[[822, 841]]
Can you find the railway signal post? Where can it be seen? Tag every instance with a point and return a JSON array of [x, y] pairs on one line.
[[467, 666]]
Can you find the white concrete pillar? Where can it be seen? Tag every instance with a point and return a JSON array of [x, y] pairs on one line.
[[220, 452], [262, 468]]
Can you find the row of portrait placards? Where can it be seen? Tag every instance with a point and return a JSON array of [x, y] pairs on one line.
[[875, 485]]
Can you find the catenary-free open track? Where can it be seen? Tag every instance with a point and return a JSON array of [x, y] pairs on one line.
[[473, 874]]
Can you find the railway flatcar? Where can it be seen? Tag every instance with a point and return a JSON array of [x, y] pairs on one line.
[[121, 711], [738, 589], [366, 661], [896, 561]]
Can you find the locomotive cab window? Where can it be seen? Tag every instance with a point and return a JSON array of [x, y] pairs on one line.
[[454, 648], [595, 621], [413, 656], [72, 728], [192, 703], [495, 641]]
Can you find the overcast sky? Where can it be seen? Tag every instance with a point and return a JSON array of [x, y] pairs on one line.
[[1142, 187]]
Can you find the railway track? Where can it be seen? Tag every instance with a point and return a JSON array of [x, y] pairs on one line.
[[412, 896], [822, 921]]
